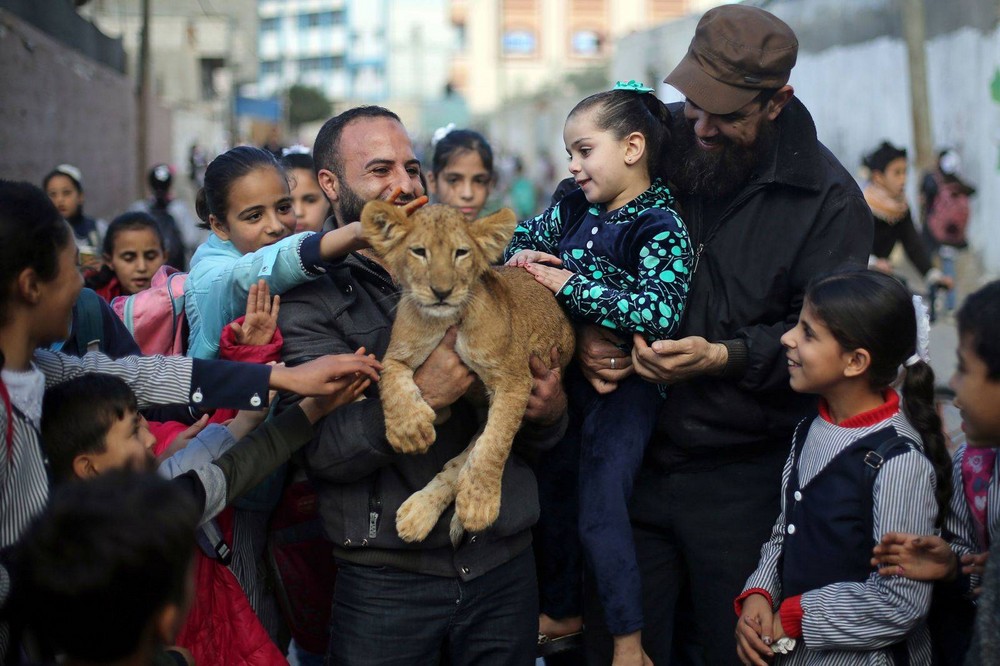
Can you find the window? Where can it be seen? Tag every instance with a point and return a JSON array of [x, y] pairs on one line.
[[585, 43], [269, 67], [272, 24], [209, 68], [321, 19], [323, 64], [519, 42]]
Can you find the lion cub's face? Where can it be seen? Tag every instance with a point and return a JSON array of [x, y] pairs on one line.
[[436, 255]]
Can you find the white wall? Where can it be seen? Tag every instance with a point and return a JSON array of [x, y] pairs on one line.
[[859, 95]]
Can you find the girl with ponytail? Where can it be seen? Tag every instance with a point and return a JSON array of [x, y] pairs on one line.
[[247, 205], [873, 461], [615, 254]]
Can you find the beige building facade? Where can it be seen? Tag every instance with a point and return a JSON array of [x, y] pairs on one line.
[[511, 49]]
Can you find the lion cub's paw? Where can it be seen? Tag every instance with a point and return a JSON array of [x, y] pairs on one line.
[[416, 517], [456, 531], [478, 500], [413, 431]]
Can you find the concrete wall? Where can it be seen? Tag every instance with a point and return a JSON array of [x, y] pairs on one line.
[[60, 106]]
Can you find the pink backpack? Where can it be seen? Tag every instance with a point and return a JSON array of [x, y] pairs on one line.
[[949, 216], [155, 316]]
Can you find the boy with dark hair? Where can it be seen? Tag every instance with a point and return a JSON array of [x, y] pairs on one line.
[[101, 430], [958, 558], [104, 574]]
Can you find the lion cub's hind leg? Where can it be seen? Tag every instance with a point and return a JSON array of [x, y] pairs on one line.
[[418, 515], [478, 500]]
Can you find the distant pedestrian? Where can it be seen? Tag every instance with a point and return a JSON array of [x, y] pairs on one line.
[[64, 185], [178, 226], [885, 193], [945, 214]]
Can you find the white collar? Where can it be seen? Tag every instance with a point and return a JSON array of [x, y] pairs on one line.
[[26, 391]]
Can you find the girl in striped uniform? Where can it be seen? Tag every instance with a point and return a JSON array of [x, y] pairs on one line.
[[870, 463]]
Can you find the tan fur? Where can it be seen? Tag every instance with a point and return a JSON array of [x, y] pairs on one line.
[[503, 315]]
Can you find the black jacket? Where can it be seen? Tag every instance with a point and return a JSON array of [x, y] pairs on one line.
[[903, 231], [360, 479], [800, 215]]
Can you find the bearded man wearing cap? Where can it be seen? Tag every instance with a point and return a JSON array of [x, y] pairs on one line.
[[768, 208]]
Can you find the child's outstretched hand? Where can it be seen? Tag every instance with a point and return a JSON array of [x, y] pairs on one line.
[[525, 257], [917, 557], [753, 631], [352, 387], [261, 319], [554, 279], [326, 375]]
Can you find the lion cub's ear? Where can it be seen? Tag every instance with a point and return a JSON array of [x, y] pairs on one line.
[[493, 233], [383, 225]]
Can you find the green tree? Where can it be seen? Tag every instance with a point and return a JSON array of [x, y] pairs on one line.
[[306, 104]]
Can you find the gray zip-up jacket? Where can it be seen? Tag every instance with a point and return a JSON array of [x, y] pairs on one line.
[[360, 479]]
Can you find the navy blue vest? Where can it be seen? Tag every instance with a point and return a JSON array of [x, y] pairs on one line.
[[829, 522]]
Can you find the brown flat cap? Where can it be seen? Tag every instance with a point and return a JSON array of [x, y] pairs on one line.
[[737, 51]]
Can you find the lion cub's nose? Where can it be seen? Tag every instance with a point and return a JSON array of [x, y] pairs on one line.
[[441, 294]]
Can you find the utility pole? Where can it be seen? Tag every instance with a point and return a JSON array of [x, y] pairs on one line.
[[915, 33], [142, 99]]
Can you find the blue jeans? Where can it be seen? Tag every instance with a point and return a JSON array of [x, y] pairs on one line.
[[584, 486], [384, 616], [948, 257], [698, 531]]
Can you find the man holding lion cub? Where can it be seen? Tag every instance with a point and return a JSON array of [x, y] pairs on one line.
[[419, 601]]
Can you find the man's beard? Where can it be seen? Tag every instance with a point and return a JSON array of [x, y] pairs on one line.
[[720, 173], [350, 203]]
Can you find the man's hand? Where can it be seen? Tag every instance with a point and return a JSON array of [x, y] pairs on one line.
[[601, 359], [754, 631], [547, 401], [261, 318], [443, 378], [524, 257], [628, 651], [325, 375], [916, 557], [671, 361]]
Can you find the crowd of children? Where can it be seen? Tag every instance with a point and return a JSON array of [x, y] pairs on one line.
[[878, 556]]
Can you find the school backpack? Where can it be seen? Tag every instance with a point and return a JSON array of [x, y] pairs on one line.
[[155, 316], [949, 215], [89, 323]]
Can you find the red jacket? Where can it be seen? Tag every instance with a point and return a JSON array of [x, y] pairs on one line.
[[221, 628]]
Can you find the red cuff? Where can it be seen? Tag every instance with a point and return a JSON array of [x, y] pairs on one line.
[[230, 351], [791, 616], [738, 601]]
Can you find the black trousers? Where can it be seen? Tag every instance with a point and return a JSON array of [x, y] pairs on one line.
[[698, 536]]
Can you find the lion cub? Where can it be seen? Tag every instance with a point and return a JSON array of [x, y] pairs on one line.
[[443, 264]]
